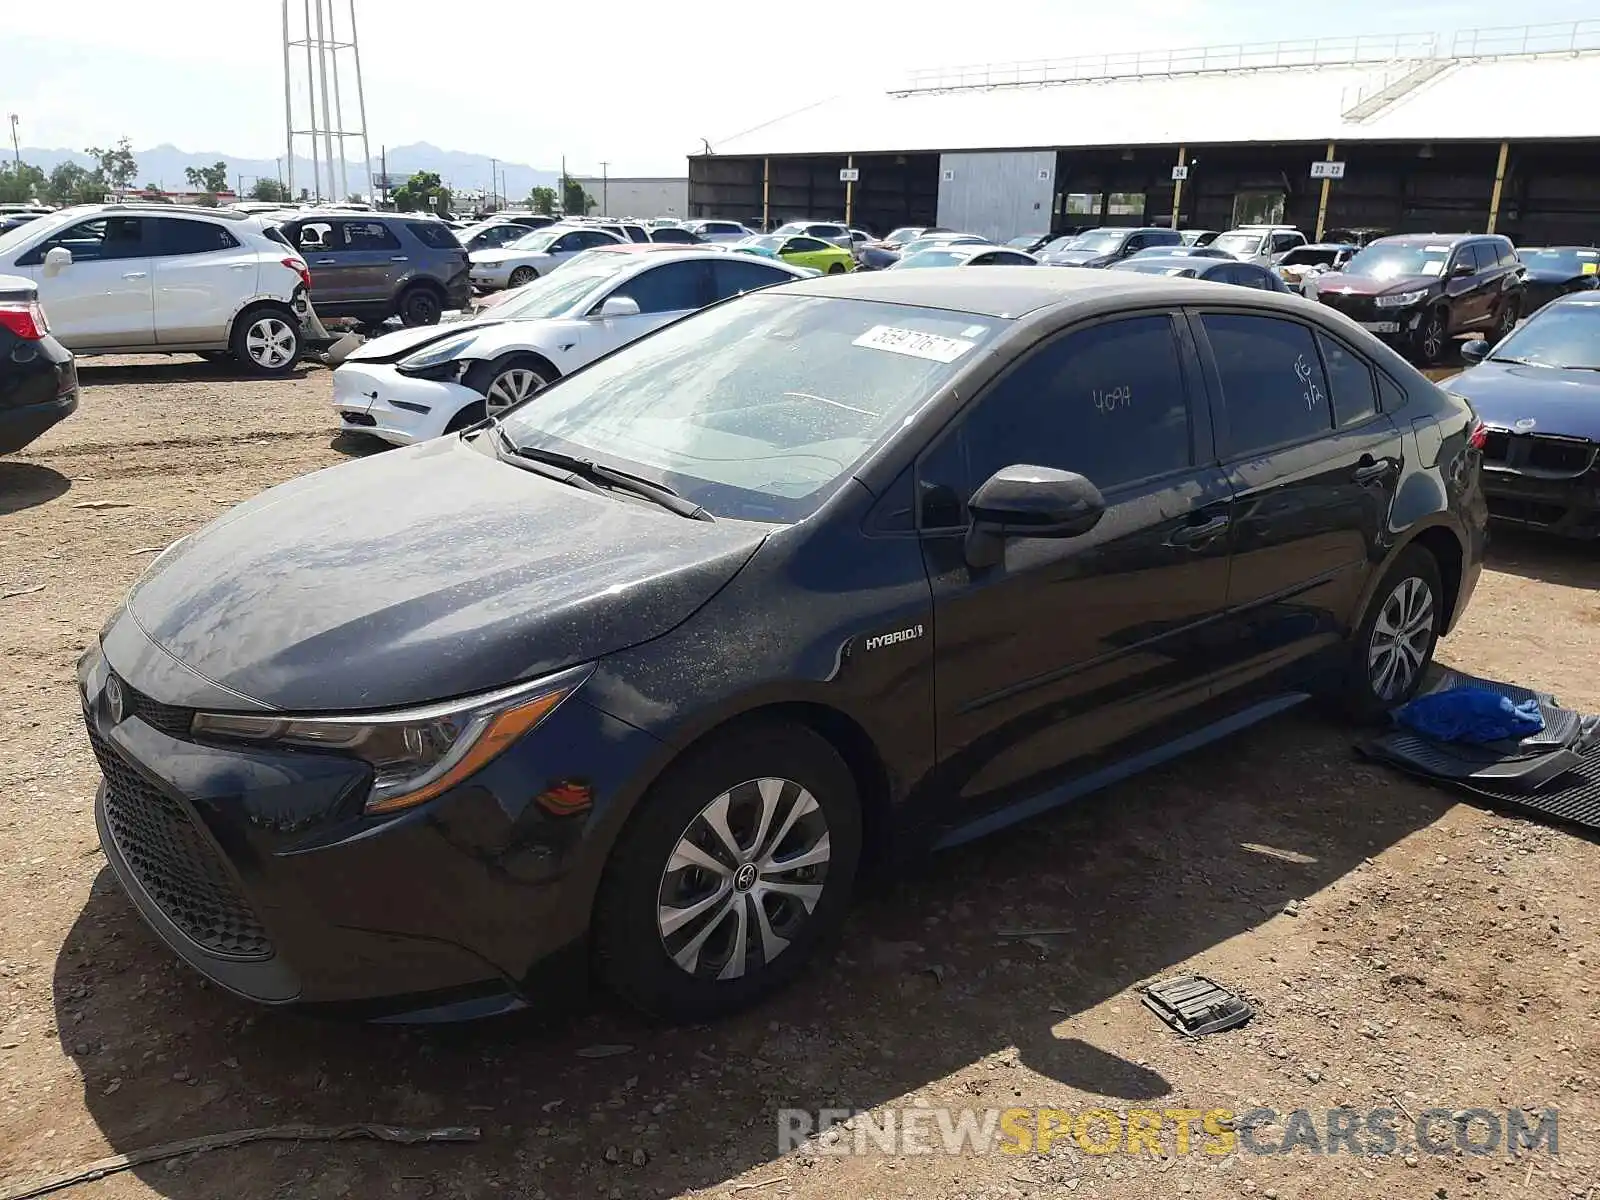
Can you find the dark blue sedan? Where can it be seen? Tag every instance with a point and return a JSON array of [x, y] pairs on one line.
[[1538, 392], [1217, 270]]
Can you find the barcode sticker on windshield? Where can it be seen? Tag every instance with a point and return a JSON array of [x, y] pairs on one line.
[[914, 343], [1437, 250]]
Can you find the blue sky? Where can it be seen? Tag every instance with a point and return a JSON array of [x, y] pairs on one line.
[[638, 83]]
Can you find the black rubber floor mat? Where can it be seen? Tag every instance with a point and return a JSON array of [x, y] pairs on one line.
[[1573, 796], [1453, 679], [1520, 771]]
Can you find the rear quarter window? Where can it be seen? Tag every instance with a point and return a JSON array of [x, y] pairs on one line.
[[436, 236]]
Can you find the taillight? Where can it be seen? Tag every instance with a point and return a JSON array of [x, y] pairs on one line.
[[23, 318], [298, 265], [1479, 437]]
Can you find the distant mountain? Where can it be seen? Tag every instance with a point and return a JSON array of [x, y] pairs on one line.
[[165, 165]]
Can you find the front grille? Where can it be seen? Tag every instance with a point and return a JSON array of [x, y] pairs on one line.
[[1357, 308], [1553, 456], [168, 718], [175, 863]]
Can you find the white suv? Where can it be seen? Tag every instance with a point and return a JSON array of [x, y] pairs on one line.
[[160, 279], [1263, 245]]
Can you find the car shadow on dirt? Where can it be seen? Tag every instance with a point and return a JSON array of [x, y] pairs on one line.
[[1532, 555], [26, 485], [180, 368], [1005, 943]]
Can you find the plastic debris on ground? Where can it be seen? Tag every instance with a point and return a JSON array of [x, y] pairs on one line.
[[1195, 1005]]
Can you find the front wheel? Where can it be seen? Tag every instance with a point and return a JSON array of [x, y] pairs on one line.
[[510, 381], [1431, 337], [1504, 321], [836, 269], [734, 873], [1394, 646], [267, 342], [521, 277]]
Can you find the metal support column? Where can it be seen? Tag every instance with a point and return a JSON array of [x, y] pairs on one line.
[[849, 192], [1499, 186], [288, 103], [1177, 188], [1322, 205], [766, 194]]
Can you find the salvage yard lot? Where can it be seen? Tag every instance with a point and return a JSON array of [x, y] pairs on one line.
[[1403, 950]]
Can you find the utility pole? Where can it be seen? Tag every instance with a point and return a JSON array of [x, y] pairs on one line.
[[494, 183], [16, 146], [383, 154], [605, 190]]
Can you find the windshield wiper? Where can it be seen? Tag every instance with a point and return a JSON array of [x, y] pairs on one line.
[[506, 451], [588, 470], [1521, 362]]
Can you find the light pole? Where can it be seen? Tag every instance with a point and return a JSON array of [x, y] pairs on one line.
[[605, 191], [16, 146]]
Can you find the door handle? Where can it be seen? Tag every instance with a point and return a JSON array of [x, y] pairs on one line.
[[326, 262], [399, 258], [243, 266], [135, 275], [1369, 468], [1194, 535]]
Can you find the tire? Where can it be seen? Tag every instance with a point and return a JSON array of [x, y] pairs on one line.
[[521, 276], [470, 415], [1504, 321], [1410, 597], [1431, 338], [420, 306], [266, 341], [836, 269], [763, 777], [511, 380]]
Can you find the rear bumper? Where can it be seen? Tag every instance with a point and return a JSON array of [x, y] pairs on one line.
[[19, 426]]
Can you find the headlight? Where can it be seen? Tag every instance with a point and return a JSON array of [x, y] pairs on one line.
[[1402, 299], [439, 354], [415, 754]]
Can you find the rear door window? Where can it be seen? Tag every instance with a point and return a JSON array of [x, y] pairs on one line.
[[1355, 397], [369, 235], [735, 277], [175, 236], [1273, 386]]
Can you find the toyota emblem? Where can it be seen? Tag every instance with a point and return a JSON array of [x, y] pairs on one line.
[[115, 701]]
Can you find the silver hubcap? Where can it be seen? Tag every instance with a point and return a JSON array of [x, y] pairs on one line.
[[270, 342], [743, 879], [1400, 639], [512, 387], [1432, 337]]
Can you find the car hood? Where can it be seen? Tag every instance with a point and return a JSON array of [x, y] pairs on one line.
[[1553, 275], [1557, 400], [1075, 258], [1364, 285], [390, 347], [425, 573]]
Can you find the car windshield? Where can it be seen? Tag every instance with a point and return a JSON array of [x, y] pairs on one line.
[[30, 230], [1022, 243], [555, 293], [1559, 335], [770, 241], [1154, 266], [539, 240], [757, 408], [1238, 243], [1308, 257], [904, 234], [918, 245], [1100, 241], [934, 258], [792, 227], [1398, 262], [1571, 259]]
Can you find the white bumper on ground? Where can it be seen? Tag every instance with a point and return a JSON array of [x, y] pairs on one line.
[[375, 398]]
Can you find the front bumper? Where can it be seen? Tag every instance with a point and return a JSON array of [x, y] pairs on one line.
[[489, 279], [1565, 507], [259, 868], [377, 399]]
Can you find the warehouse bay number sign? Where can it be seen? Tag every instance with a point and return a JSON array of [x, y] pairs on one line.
[[1327, 170]]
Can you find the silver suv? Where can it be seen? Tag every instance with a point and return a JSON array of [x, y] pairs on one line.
[[164, 279], [371, 266]]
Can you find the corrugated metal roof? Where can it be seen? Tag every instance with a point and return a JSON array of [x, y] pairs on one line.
[[1512, 98]]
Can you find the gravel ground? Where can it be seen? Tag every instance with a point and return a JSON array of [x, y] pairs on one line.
[[1403, 950]]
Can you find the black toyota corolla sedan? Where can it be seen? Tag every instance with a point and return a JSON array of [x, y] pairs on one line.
[[38, 375], [638, 680]]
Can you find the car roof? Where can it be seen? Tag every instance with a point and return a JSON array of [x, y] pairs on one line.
[[1432, 239], [1327, 246], [1016, 293]]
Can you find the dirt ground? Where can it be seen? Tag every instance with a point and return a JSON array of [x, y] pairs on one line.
[[1403, 950]]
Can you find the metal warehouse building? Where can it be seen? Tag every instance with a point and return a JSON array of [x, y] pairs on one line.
[[1490, 129]]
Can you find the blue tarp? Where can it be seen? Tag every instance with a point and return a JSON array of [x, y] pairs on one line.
[[1471, 714]]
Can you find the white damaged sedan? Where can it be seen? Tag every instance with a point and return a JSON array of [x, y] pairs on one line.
[[534, 255], [416, 384]]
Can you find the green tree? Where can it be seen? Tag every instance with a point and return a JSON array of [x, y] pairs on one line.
[[210, 180], [269, 189], [116, 165], [423, 191], [70, 183], [543, 200], [20, 182], [574, 200]]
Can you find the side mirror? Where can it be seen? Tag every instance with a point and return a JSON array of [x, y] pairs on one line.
[[1027, 501], [1464, 269], [619, 306], [1475, 351], [56, 259]]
